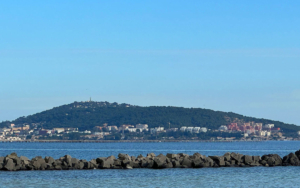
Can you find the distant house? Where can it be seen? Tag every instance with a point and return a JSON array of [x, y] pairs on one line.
[[142, 126], [44, 132], [269, 126], [223, 128], [196, 129], [203, 129], [58, 130]]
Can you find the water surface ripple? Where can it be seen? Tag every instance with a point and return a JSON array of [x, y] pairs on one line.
[[205, 177]]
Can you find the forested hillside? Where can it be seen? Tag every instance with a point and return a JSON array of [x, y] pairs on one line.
[[86, 115]]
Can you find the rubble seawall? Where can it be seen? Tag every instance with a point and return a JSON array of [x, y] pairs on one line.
[[13, 162]]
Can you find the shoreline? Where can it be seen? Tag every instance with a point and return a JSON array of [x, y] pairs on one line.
[[131, 141]]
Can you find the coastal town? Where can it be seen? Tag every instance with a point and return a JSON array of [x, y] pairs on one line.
[[249, 131]]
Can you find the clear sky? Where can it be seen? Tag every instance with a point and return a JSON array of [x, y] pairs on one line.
[[239, 56]]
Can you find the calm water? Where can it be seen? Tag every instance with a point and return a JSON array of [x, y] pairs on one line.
[[206, 177]]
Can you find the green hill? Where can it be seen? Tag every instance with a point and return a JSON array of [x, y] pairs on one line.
[[86, 115]]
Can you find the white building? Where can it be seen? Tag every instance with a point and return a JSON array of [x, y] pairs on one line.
[[58, 130], [203, 129], [262, 133], [112, 128], [86, 132], [269, 126], [156, 129], [189, 129], [141, 130], [125, 127], [132, 130], [183, 129], [142, 126], [223, 128], [196, 129], [101, 133]]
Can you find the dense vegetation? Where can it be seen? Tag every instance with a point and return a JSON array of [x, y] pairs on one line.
[[86, 115]]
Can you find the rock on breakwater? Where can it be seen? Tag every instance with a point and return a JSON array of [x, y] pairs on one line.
[[13, 162]]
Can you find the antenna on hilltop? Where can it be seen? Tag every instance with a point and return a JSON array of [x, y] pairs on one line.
[[90, 99]]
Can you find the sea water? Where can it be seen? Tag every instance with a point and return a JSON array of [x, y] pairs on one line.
[[203, 177]]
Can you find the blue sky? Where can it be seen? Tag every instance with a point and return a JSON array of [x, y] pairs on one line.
[[239, 56]]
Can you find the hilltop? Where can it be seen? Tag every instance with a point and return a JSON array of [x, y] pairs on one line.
[[86, 115]]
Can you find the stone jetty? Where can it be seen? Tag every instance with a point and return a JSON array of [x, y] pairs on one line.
[[13, 162]]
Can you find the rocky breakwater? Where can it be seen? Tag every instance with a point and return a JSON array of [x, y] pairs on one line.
[[13, 162]]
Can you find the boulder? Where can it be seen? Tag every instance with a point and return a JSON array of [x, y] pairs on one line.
[[128, 166], [133, 158], [198, 156], [57, 167], [247, 159], [255, 160], [297, 153], [67, 159], [99, 160], [207, 162], [151, 155], [49, 167], [35, 164], [12, 155], [219, 160], [87, 165], [123, 156], [290, 160], [24, 160], [227, 164], [43, 166], [94, 164], [140, 156], [75, 161], [187, 162], [2, 160], [237, 157], [176, 164], [80, 165], [107, 163], [182, 155], [117, 162], [160, 161], [133, 164], [272, 159], [144, 162], [172, 156], [197, 163], [9, 165], [169, 165], [227, 156]]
